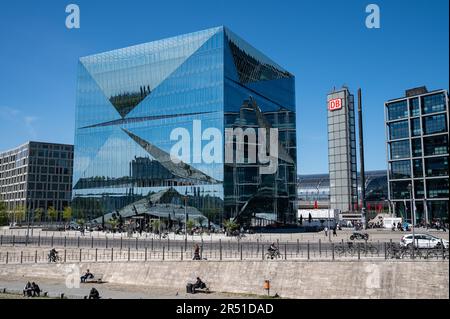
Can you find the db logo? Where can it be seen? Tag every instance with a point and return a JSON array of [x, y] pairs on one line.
[[335, 104]]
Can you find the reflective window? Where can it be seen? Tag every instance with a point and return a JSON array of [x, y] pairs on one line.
[[419, 190], [399, 190], [414, 107], [436, 166], [400, 170], [416, 147], [397, 110], [436, 145], [415, 127], [435, 124], [437, 188], [433, 103], [418, 168], [398, 130], [400, 149]]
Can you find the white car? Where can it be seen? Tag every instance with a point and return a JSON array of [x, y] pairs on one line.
[[423, 241]]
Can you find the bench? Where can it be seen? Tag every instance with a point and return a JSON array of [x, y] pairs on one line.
[[97, 279]]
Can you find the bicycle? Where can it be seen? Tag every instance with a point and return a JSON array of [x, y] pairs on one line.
[[273, 254]]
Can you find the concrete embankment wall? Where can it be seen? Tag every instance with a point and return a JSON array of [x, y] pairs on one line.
[[292, 279]]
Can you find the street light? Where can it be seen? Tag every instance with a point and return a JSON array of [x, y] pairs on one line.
[[413, 214]]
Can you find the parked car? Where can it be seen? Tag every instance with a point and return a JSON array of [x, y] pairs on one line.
[[423, 241]]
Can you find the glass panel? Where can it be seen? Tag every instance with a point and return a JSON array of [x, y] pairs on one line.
[[433, 103], [415, 127], [397, 110], [414, 106], [437, 188], [436, 166], [398, 130], [400, 149], [436, 145], [400, 170], [419, 191], [399, 190], [418, 168], [435, 124], [416, 147]]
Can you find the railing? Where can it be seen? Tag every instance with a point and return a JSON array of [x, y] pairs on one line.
[[220, 251]]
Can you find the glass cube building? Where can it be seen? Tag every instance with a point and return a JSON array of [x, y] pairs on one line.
[[417, 149], [131, 100]]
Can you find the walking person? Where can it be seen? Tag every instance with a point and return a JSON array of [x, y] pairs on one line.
[[334, 231], [326, 231], [196, 252]]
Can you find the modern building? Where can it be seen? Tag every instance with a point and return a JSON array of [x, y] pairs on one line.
[[417, 149], [134, 105], [342, 151], [35, 176], [314, 191]]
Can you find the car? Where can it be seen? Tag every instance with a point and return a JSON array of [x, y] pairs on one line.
[[423, 241]]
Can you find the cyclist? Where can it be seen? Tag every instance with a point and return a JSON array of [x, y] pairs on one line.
[[53, 255]]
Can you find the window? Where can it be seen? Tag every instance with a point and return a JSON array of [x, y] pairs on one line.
[[399, 190], [436, 145], [436, 166], [437, 188], [414, 107], [400, 149], [415, 127], [398, 130], [433, 103], [416, 147], [400, 170], [435, 124], [397, 110], [418, 168], [419, 191]]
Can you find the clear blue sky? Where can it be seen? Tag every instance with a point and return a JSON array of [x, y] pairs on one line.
[[324, 43]]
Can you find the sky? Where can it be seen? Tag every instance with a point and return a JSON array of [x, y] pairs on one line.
[[325, 44]]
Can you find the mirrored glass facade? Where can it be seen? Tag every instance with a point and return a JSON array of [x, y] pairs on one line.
[[129, 103], [417, 144]]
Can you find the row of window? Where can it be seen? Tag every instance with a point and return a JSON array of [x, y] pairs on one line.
[[435, 166], [430, 104], [436, 188], [430, 125], [433, 145]]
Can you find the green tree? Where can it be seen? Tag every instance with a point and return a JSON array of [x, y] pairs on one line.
[[230, 225], [3, 214], [156, 225], [38, 212], [19, 213], [52, 213], [67, 213], [189, 225]]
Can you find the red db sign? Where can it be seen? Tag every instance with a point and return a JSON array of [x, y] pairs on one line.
[[335, 104]]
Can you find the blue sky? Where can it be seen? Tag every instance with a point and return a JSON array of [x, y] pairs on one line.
[[324, 43]]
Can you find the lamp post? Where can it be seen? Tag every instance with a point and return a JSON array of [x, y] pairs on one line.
[[185, 218], [413, 214]]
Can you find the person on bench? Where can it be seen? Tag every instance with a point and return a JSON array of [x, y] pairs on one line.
[[28, 290], [86, 276], [199, 284], [36, 289]]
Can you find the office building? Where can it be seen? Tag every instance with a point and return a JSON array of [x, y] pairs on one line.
[[36, 175], [131, 101], [417, 154]]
